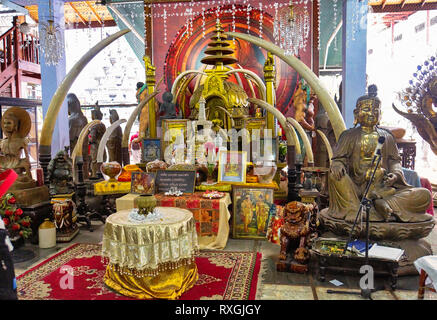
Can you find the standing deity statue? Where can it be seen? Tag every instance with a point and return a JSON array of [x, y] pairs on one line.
[[96, 134], [114, 141], [167, 109], [352, 164], [16, 124], [77, 121]]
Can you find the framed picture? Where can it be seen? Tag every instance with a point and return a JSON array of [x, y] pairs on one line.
[[143, 183], [151, 149], [265, 149], [232, 166], [253, 209], [173, 131]]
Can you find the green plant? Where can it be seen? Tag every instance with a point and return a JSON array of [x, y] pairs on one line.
[[15, 222]]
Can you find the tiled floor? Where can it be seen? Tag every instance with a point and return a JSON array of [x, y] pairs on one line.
[[272, 285]]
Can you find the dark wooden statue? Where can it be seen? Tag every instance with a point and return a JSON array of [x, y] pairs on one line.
[[114, 141], [167, 109], [77, 121], [60, 174], [296, 232], [96, 134]]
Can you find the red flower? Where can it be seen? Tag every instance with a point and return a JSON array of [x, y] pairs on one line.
[[16, 227], [25, 223], [9, 212], [6, 221], [18, 212], [12, 200]]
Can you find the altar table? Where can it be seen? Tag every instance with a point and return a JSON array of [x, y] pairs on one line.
[[151, 259], [211, 215]]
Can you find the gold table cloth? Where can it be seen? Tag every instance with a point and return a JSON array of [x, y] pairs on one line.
[[216, 241], [151, 259]]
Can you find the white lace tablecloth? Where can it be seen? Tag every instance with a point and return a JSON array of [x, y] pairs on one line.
[[429, 264], [150, 246]]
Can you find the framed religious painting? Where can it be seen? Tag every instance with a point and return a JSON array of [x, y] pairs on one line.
[[252, 210], [151, 149], [232, 167], [174, 135], [143, 183]]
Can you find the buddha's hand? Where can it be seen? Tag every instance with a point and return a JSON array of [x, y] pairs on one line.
[[390, 180], [337, 170]]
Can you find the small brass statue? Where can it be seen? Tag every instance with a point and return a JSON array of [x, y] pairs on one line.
[[16, 125], [352, 164], [114, 141]]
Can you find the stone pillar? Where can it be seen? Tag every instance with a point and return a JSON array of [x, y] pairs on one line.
[[52, 76], [354, 56]]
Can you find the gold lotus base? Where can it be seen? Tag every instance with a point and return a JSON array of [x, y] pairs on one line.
[[169, 284]]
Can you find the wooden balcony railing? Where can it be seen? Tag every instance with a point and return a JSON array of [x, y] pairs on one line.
[[25, 48]]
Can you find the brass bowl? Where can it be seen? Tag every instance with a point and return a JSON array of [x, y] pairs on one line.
[[111, 169], [146, 204]]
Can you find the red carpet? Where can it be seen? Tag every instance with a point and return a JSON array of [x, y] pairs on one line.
[[223, 275]]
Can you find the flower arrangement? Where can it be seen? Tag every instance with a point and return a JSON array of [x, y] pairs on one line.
[[12, 216]]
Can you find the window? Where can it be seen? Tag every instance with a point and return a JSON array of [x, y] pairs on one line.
[[419, 27], [398, 37]]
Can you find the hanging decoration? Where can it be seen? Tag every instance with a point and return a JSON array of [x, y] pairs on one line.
[[51, 42], [294, 27]]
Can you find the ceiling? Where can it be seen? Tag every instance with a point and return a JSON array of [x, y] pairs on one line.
[[80, 14], [402, 5]]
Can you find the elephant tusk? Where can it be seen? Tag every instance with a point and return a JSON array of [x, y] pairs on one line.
[[327, 144], [290, 133], [77, 151], [327, 101], [179, 77], [306, 141], [105, 137], [61, 92]]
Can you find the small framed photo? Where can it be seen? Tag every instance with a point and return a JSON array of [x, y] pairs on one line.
[[143, 183], [252, 210], [151, 149], [232, 166], [174, 131]]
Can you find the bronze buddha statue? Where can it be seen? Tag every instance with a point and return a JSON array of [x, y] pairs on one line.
[[352, 164]]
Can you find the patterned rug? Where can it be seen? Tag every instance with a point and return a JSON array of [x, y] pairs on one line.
[[223, 275]]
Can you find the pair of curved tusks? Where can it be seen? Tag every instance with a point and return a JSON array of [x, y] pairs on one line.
[[327, 101], [290, 133], [61, 92], [77, 151]]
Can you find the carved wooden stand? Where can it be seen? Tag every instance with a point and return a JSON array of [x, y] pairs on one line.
[[84, 213]]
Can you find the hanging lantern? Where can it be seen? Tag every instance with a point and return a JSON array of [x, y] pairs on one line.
[[294, 28], [51, 43]]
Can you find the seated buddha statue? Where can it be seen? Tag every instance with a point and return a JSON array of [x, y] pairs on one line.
[[351, 168]]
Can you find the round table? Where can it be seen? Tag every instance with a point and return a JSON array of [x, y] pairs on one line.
[[151, 259]]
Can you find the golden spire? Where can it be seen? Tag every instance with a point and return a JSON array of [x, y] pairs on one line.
[[219, 52]]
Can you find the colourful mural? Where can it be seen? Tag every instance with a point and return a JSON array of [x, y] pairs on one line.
[[186, 49]]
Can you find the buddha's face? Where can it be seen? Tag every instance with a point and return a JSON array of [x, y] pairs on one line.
[[368, 114], [9, 125]]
